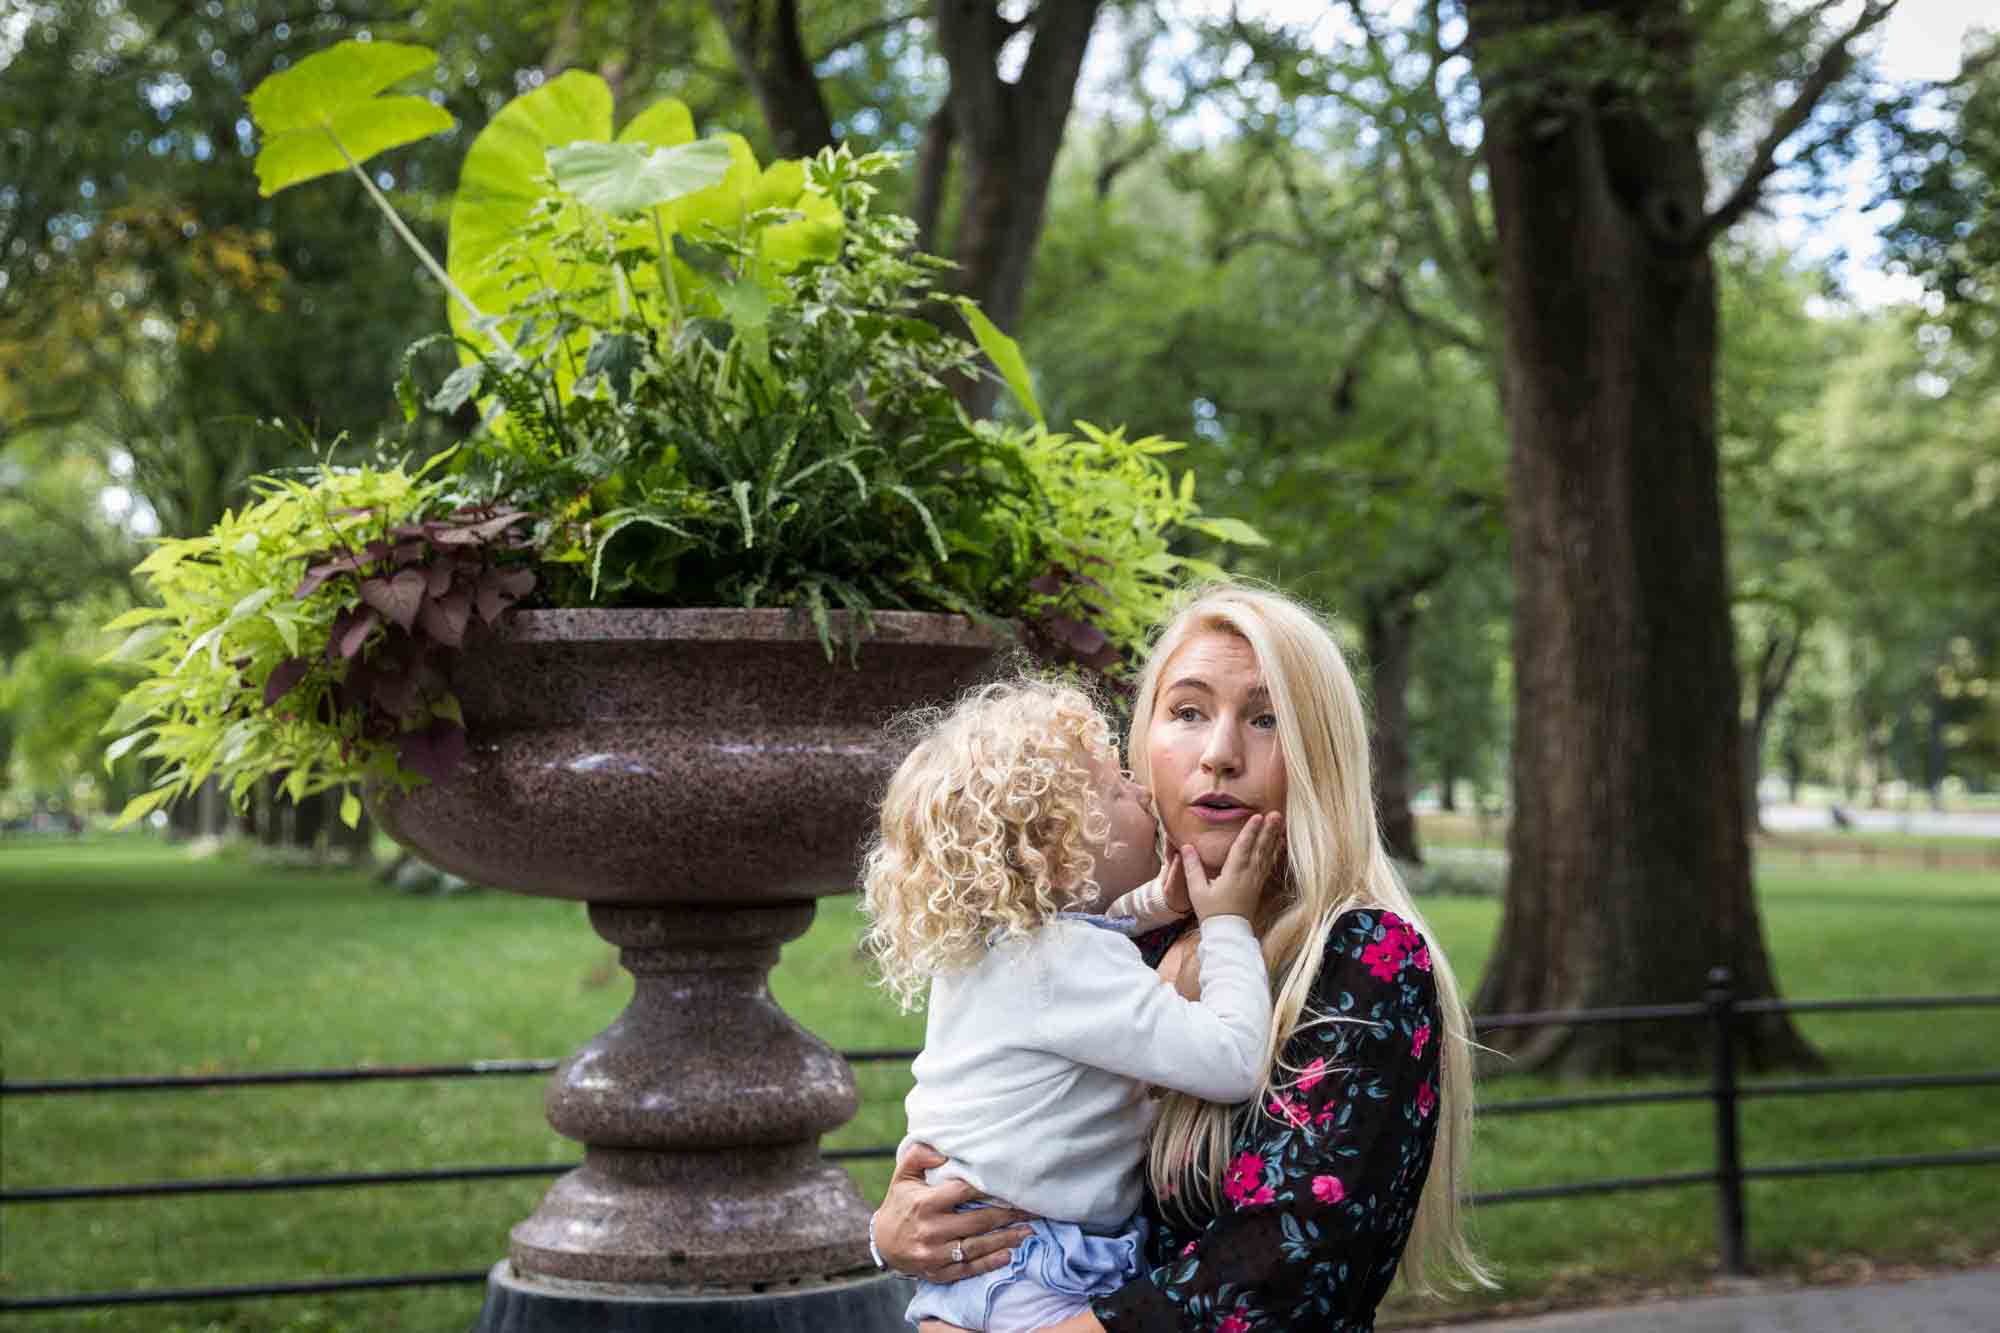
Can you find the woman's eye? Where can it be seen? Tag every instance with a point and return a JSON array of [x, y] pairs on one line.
[[1266, 721], [1186, 713]]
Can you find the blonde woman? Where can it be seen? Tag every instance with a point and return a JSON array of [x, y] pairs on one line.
[[1296, 1207], [1045, 1025]]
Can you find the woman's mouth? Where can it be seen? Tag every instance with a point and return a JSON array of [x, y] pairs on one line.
[[1217, 808]]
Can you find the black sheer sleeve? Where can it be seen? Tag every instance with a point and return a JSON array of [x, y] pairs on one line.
[[1323, 1180]]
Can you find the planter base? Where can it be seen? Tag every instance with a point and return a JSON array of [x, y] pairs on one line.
[[515, 1303]]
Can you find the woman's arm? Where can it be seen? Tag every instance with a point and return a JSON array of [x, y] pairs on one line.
[[918, 1224], [1323, 1182]]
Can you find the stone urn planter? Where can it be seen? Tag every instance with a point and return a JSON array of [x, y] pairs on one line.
[[699, 778]]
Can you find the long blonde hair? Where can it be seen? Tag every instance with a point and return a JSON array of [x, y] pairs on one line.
[[988, 828], [1335, 861]]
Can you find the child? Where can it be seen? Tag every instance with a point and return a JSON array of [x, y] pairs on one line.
[[1045, 1027]]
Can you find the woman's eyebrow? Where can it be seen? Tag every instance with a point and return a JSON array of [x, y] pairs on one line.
[[1257, 693]]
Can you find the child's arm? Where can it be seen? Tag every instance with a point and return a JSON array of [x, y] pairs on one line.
[[1160, 902], [1106, 1008], [1098, 1004]]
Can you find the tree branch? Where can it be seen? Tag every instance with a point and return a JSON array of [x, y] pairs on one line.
[[1390, 290], [965, 38], [1048, 79], [1833, 64], [1118, 163], [1230, 246], [860, 33], [933, 165]]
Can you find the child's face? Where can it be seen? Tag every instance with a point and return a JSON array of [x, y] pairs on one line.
[[1129, 858]]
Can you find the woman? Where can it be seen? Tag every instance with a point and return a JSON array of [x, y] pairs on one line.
[[1294, 1209]]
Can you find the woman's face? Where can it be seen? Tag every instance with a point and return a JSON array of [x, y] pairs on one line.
[[1212, 745]]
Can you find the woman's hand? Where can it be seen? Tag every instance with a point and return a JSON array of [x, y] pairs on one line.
[[920, 1233], [1239, 886]]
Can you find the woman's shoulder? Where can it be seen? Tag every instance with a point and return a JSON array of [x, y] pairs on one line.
[[1373, 951]]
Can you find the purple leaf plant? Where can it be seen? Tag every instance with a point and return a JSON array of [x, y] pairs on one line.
[[420, 589]]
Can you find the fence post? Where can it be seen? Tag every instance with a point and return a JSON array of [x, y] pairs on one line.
[[1731, 1223]]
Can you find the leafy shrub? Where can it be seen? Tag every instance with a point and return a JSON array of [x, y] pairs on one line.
[[713, 384]]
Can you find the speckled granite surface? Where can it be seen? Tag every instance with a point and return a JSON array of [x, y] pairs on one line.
[[675, 756]]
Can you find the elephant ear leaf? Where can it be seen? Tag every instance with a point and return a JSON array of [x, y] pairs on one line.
[[324, 114], [624, 179]]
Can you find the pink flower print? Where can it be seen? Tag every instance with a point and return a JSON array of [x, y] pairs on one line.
[[1328, 1189], [1297, 1113], [1233, 1323], [1423, 959], [1244, 1178], [1420, 1039], [1315, 1072], [1327, 1117], [1383, 958], [1188, 1248], [1427, 1100]]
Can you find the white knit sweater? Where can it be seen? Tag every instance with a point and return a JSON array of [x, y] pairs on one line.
[[1036, 1061]]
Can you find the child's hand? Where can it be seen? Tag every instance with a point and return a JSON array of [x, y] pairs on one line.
[[1239, 887]]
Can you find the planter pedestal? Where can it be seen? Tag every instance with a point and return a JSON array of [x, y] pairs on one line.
[[700, 1111], [698, 778]]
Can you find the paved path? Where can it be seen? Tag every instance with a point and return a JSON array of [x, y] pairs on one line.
[[1959, 1303]]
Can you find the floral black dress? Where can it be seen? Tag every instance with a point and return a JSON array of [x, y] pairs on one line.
[[1323, 1182]]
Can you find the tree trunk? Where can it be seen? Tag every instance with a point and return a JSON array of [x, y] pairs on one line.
[[764, 38], [354, 846], [1007, 135], [1388, 625], [1629, 868], [1448, 787], [184, 819], [309, 820], [1774, 672], [273, 814]]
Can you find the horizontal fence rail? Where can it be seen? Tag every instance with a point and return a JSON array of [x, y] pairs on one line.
[[1719, 1008]]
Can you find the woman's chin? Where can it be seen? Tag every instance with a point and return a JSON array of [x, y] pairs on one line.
[[1212, 846]]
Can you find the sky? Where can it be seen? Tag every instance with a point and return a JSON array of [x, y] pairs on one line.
[[1923, 39]]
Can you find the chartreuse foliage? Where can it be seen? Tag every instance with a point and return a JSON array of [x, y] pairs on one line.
[[323, 115], [236, 615], [704, 382]]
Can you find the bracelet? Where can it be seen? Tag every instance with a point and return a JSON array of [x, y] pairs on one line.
[[874, 1253]]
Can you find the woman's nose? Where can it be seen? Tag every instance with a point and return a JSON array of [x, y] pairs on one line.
[[1218, 752]]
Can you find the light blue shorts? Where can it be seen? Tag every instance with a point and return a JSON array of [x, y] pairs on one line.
[[1055, 1273]]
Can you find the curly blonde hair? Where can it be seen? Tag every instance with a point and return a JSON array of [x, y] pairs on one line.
[[988, 828]]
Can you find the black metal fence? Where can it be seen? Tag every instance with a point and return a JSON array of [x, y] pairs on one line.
[[1727, 1173]]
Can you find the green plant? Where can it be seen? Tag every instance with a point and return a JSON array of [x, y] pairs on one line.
[[305, 636], [701, 381]]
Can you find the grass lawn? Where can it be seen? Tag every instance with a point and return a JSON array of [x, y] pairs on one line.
[[125, 958]]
